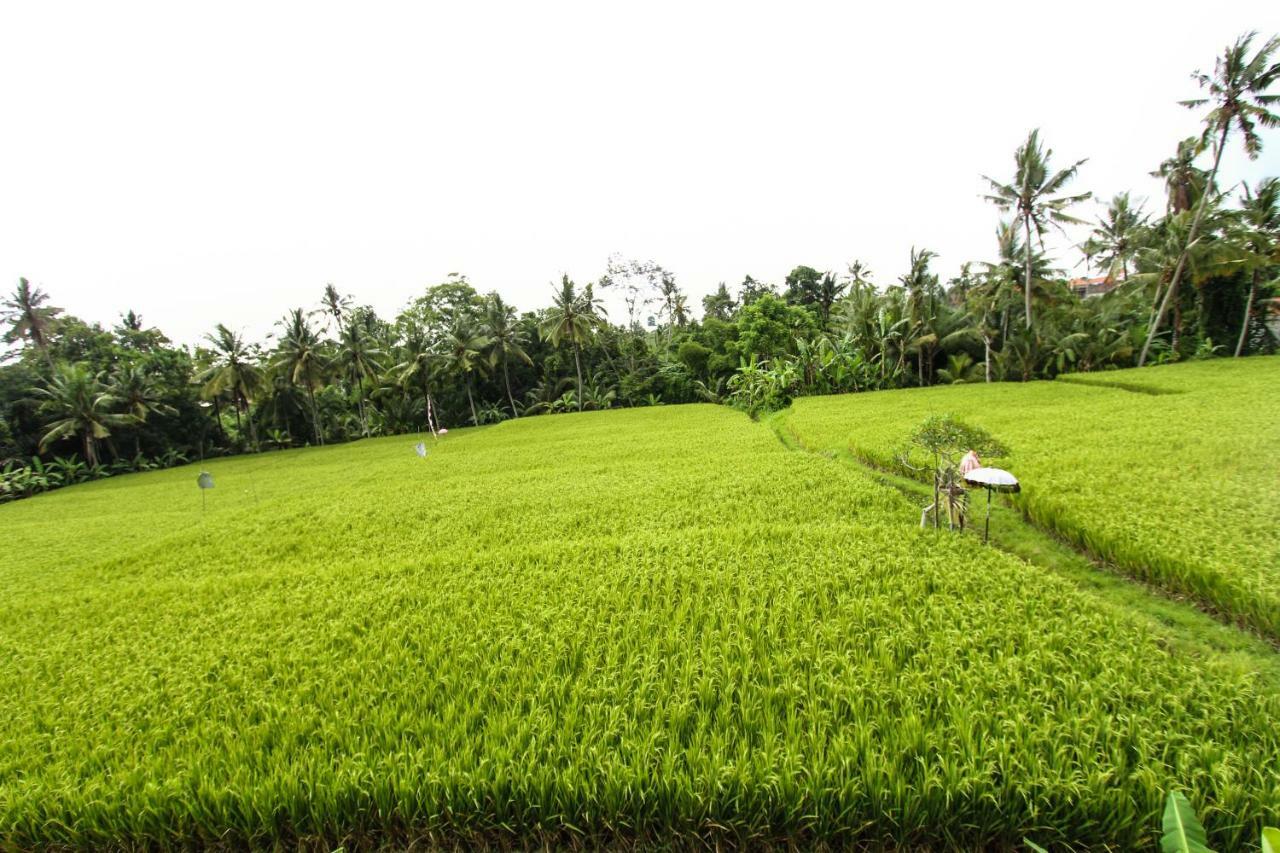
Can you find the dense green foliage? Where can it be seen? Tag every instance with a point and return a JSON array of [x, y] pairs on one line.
[[83, 402], [648, 622], [1169, 472]]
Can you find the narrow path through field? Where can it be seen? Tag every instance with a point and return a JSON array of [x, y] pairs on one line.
[[1188, 626]]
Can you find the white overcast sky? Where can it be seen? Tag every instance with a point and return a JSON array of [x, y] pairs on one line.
[[205, 163]]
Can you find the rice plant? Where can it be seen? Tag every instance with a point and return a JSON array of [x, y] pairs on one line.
[[654, 624], [1173, 473]]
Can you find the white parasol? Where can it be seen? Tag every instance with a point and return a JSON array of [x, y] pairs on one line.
[[993, 480], [997, 479]]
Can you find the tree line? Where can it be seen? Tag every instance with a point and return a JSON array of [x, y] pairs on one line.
[[1194, 279]]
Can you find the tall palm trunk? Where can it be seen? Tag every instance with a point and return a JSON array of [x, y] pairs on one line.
[[577, 361], [217, 416], [506, 377], [90, 451], [315, 415], [248, 416], [1026, 281], [1186, 247], [235, 404], [986, 354], [364, 405], [475, 419], [1248, 310], [426, 397]]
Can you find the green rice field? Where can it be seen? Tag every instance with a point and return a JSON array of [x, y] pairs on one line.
[[656, 626], [1172, 473]]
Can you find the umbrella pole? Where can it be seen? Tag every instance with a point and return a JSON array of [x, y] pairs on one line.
[[986, 530]]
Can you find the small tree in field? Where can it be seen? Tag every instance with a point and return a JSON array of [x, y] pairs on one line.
[[938, 445]]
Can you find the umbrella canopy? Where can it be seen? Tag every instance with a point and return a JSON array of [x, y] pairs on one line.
[[997, 479]]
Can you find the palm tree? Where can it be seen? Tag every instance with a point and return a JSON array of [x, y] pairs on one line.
[[1166, 243], [1033, 196], [464, 349], [334, 306], [827, 293], [507, 340], [572, 317], [29, 318], [419, 360], [1115, 238], [1260, 221], [960, 369], [680, 310], [1238, 95], [137, 391], [300, 359], [921, 287], [358, 358], [1184, 182], [232, 372], [82, 407]]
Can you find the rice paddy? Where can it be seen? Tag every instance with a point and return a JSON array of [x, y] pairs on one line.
[[1172, 473], [656, 625]]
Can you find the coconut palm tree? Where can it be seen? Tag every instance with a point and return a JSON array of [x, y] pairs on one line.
[[334, 307], [1164, 248], [464, 349], [82, 407], [358, 358], [1184, 182], [506, 341], [1237, 93], [1033, 196], [1259, 229], [232, 372], [1116, 236], [921, 287], [419, 361], [137, 392], [301, 360], [572, 317], [827, 293], [29, 317]]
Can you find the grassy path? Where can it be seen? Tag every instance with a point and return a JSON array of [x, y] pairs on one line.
[[1189, 627]]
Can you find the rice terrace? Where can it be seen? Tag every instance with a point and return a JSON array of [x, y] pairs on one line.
[[974, 555]]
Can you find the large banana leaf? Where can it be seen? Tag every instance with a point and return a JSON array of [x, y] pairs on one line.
[[1183, 832]]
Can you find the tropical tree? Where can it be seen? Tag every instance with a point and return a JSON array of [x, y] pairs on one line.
[[1034, 196], [1237, 95], [358, 359], [334, 307], [1115, 238], [1259, 229], [82, 407], [419, 361], [827, 293], [921, 287], [233, 371], [1184, 182], [464, 349], [506, 341], [29, 317], [719, 305], [572, 317], [140, 395], [301, 360]]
